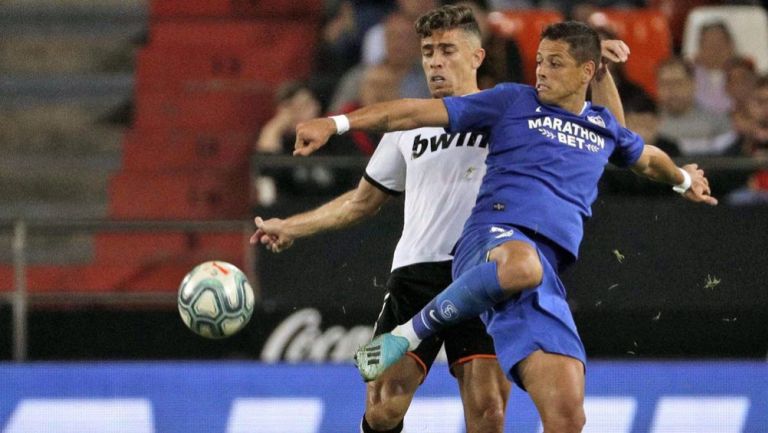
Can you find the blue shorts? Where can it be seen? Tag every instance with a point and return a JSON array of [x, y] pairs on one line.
[[539, 319]]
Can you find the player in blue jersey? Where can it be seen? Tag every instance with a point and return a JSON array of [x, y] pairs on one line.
[[547, 150]]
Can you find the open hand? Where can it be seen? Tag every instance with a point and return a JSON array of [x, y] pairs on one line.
[[699, 191]]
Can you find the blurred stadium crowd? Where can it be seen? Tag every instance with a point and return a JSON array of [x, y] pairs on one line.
[[695, 84]]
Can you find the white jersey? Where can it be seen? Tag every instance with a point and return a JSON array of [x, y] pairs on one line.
[[440, 174]]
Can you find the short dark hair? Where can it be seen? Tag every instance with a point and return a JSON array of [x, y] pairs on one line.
[[761, 82], [679, 62], [289, 89], [639, 104], [583, 41], [447, 17], [716, 25]]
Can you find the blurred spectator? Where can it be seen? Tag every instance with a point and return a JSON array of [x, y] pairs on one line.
[[375, 41], [740, 79], [379, 84], [295, 102], [695, 130], [501, 5], [503, 62], [716, 48], [755, 144], [403, 57], [643, 118], [338, 49], [753, 138], [582, 10]]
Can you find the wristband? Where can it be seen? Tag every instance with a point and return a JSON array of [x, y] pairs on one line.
[[685, 185], [342, 123]]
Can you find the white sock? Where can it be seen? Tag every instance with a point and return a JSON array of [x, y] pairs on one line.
[[406, 331]]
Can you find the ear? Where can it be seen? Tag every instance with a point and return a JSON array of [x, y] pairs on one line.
[[478, 55], [588, 70]]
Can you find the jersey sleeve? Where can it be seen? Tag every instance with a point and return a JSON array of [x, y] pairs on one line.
[[629, 147], [386, 168], [480, 110]]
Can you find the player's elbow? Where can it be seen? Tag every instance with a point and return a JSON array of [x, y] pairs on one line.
[[654, 164], [644, 164]]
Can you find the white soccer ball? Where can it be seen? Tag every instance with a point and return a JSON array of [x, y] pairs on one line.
[[215, 299]]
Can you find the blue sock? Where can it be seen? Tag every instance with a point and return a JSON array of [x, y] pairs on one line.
[[474, 292]]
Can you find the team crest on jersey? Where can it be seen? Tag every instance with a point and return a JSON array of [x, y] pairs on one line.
[[597, 120]]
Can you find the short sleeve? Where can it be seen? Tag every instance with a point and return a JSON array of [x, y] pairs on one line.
[[629, 147], [386, 168], [480, 110]]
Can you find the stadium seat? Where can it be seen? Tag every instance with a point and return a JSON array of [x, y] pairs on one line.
[[647, 33], [154, 247], [748, 25], [135, 262], [149, 276], [175, 149], [524, 26], [189, 194], [163, 9], [230, 109], [676, 12], [262, 36], [190, 66]]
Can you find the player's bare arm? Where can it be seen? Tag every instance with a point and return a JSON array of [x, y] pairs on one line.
[[604, 91], [399, 115], [656, 165], [347, 209]]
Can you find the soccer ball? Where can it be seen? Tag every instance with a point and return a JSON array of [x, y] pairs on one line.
[[215, 299]]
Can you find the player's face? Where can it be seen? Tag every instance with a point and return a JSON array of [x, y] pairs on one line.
[[450, 60], [559, 76]]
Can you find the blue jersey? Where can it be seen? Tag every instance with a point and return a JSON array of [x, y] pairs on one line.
[[544, 162]]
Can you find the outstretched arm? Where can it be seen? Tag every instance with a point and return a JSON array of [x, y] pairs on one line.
[[604, 91], [399, 115], [656, 165], [351, 207]]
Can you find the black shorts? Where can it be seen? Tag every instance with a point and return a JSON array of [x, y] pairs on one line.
[[409, 289]]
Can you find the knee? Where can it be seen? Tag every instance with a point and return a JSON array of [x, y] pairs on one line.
[[383, 415], [565, 421], [387, 403], [486, 418], [519, 269]]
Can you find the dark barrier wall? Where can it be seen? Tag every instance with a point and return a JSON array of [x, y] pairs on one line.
[[658, 277]]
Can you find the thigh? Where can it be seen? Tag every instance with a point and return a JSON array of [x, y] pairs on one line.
[[467, 341], [554, 382], [539, 319], [477, 241], [482, 379]]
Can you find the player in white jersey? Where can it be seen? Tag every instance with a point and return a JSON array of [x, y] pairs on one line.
[[440, 174]]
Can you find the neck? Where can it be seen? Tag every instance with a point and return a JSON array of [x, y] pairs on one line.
[[467, 90], [574, 104]]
